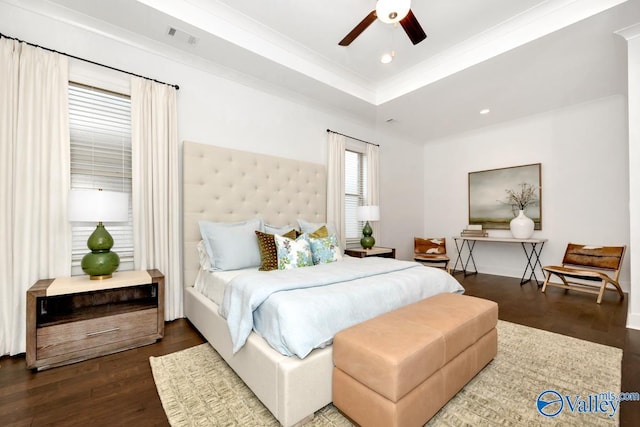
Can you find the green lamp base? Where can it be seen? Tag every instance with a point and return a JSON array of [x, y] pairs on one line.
[[100, 263], [367, 240]]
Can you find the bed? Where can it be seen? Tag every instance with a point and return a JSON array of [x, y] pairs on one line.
[[228, 185]]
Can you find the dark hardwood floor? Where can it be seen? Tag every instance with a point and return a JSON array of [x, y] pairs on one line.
[[118, 390], [114, 390]]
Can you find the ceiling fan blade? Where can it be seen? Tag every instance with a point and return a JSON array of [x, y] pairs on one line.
[[358, 29], [412, 28]]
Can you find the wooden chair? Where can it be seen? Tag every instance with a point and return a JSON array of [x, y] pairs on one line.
[[432, 252], [588, 264]]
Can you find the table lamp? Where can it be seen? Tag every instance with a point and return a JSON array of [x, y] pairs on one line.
[[99, 206], [367, 213]]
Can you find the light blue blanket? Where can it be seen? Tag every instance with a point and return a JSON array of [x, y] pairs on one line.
[[322, 300]]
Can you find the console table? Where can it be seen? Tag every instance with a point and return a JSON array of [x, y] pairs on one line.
[[532, 250]]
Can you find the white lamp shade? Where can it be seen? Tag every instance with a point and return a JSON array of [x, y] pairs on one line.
[[98, 206], [368, 213], [392, 11]]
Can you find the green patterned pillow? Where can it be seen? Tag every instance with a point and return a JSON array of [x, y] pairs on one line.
[[268, 250], [293, 253], [325, 250]]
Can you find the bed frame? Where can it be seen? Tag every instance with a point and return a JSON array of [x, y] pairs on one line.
[[221, 184]]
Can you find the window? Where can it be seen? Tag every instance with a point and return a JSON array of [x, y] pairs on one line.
[[355, 183], [100, 129]]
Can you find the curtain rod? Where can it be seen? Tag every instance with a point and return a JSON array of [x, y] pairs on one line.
[[88, 60], [357, 139]]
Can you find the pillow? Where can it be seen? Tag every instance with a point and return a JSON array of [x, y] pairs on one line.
[[325, 250], [268, 250], [205, 264], [231, 245], [273, 229], [310, 227], [293, 253], [319, 233]]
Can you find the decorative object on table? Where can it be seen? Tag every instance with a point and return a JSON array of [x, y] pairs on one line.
[[521, 226], [99, 206], [367, 213], [474, 230], [526, 195], [487, 205]]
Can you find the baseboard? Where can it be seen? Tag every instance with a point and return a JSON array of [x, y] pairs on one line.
[[633, 320]]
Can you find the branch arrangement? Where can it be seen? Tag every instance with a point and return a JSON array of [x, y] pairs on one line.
[[526, 195]]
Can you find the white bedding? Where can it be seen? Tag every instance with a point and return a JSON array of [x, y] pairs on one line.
[[211, 284], [298, 310]]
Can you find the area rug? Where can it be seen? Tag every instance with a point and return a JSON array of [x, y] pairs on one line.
[[197, 388]]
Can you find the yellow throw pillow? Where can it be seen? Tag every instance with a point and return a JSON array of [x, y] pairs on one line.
[[319, 233]]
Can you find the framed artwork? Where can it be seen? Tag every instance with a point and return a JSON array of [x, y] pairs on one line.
[[496, 196]]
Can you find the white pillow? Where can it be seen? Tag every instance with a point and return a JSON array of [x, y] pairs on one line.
[[231, 245], [205, 264], [293, 253], [274, 229]]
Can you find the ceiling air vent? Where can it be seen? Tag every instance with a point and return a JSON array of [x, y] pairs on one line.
[[182, 36]]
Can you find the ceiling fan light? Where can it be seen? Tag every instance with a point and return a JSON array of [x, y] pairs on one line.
[[392, 11]]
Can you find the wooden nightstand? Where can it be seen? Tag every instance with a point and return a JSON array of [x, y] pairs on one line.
[[72, 319], [375, 251]]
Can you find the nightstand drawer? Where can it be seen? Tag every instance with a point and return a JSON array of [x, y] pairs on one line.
[[87, 334]]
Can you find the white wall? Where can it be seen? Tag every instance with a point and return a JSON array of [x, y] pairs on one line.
[[585, 180], [214, 108], [633, 49], [401, 194]]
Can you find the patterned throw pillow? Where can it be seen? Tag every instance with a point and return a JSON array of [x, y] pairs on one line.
[[268, 250], [325, 250], [293, 253]]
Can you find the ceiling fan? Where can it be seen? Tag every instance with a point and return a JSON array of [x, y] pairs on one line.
[[390, 12]]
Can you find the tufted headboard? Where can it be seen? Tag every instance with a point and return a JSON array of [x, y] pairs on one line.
[[221, 184]]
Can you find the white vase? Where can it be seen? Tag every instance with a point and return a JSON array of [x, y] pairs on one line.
[[521, 226]]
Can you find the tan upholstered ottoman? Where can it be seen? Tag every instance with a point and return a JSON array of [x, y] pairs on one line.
[[400, 368]]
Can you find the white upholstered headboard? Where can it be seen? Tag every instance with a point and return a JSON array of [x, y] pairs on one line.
[[221, 184]]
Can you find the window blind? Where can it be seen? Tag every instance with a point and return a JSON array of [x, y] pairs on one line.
[[355, 167], [100, 130]]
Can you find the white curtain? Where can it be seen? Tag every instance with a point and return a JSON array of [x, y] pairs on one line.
[[373, 183], [156, 203], [335, 184], [35, 240]]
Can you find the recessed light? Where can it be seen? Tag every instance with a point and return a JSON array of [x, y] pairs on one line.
[[485, 111], [388, 57]]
